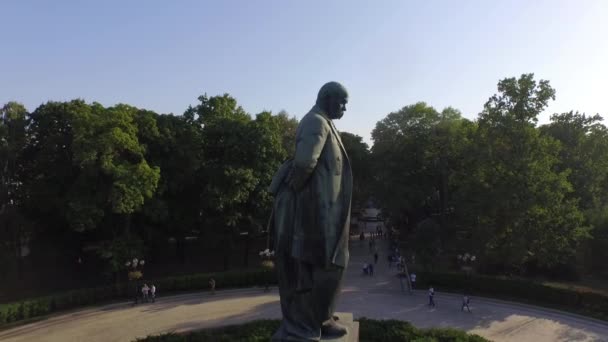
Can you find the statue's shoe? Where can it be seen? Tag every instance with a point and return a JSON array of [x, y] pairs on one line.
[[332, 329]]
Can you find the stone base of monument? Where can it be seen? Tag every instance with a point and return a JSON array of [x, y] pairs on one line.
[[345, 320]]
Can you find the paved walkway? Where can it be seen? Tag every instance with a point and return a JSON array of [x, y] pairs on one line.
[[376, 297]]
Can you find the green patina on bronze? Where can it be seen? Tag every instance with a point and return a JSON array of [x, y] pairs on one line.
[[310, 221]]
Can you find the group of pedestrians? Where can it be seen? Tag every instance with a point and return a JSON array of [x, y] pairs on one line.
[[148, 293], [368, 268], [379, 232], [466, 300], [395, 258], [406, 279]]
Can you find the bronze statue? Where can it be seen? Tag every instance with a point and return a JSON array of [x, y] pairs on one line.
[[311, 218]]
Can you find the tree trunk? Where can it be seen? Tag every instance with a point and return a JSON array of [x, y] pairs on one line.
[[19, 252], [246, 256], [180, 249]]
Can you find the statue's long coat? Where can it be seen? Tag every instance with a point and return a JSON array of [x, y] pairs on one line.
[[311, 213]]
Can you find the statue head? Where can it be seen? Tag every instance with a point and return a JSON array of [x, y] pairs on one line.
[[332, 99]]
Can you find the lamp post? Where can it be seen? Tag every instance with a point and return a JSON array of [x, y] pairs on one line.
[[465, 261], [134, 274], [466, 265]]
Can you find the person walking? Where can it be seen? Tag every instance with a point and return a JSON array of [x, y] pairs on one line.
[[413, 280], [431, 296], [371, 269], [212, 285], [153, 293], [376, 257], [144, 291], [465, 303]]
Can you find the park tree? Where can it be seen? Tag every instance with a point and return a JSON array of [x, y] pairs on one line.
[[584, 152], [174, 212], [360, 160], [241, 155], [416, 154], [518, 203], [399, 157], [584, 155], [287, 126], [87, 171], [15, 228], [125, 181]]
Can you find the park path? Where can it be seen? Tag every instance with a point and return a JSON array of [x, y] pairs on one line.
[[377, 297]]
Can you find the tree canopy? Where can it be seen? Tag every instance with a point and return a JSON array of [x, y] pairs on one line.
[[79, 180]]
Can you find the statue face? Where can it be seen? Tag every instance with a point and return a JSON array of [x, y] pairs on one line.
[[336, 106]]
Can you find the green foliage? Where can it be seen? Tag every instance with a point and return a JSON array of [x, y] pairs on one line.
[[530, 292], [584, 157], [571, 299], [427, 243], [412, 149], [499, 187], [256, 331], [400, 142], [15, 228], [393, 330], [223, 280], [369, 331], [87, 160], [35, 307], [28, 309], [78, 177], [525, 215], [101, 175], [288, 126], [519, 99], [117, 251], [177, 150], [361, 164]]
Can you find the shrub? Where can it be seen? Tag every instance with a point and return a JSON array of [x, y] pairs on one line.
[[30, 308], [369, 331], [576, 300], [393, 330], [256, 331]]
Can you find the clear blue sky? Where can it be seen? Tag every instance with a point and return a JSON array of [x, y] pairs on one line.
[[275, 55]]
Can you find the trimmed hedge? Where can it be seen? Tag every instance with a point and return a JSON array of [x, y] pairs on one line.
[[255, 331], [31, 308], [369, 331], [392, 330], [574, 300]]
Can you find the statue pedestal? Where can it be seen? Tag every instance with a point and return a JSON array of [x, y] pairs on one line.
[[346, 320]]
